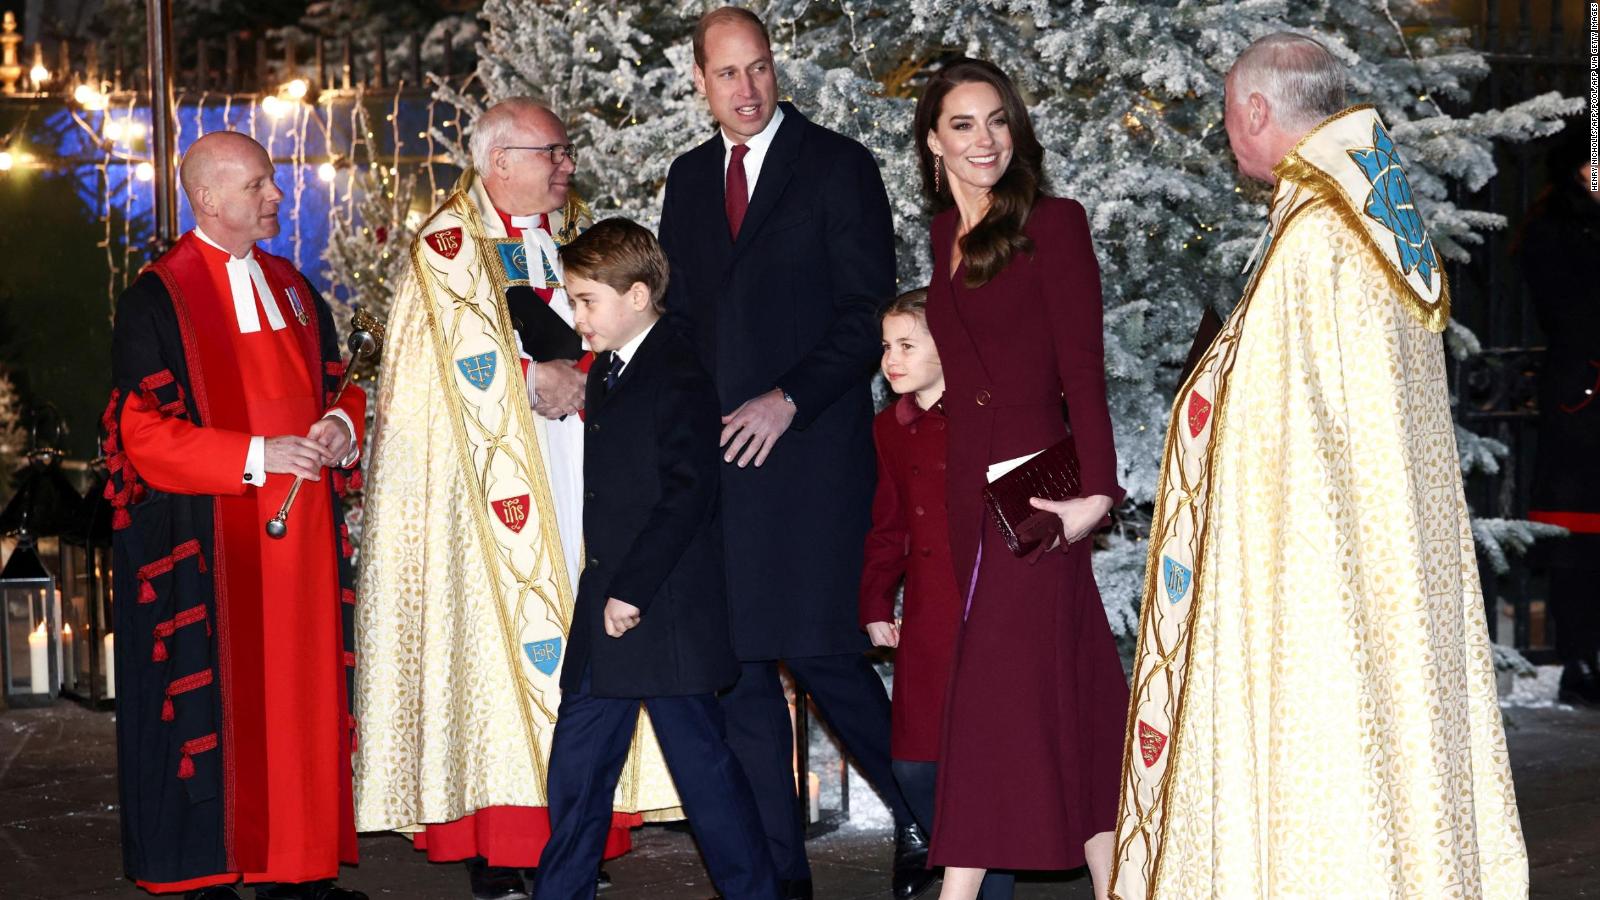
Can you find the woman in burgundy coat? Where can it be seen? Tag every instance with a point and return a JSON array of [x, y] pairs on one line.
[[1032, 743]]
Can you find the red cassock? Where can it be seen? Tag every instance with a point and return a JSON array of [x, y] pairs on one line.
[[514, 835], [1032, 749], [910, 538], [279, 661]]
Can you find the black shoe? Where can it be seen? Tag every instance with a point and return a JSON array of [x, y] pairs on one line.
[[308, 890], [495, 882], [1580, 683], [795, 889], [603, 880], [214, 892], [911, 873]]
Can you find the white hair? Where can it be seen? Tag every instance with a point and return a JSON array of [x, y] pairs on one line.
[[1301, 79], [497, 124]]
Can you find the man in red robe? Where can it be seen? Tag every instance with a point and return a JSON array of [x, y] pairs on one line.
[[233, 728]]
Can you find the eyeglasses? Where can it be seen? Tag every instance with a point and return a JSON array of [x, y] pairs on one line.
[[558, 153]]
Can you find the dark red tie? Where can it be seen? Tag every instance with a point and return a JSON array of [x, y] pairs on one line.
[[737, 198]]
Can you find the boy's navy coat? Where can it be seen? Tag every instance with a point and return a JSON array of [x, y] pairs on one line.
[[650, 529]]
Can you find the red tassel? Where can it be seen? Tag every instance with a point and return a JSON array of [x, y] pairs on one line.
[[348, 596], [167, 713], [186, 766], [200, 561], [355, 480], [120, 519], [350, 658], [147, 594], [159, 654], [198, 745]]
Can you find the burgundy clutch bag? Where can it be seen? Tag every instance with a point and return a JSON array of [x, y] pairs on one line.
[[1051, 475]]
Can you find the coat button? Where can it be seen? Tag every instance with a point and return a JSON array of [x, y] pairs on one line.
[[921, 511], [594, 563], [983, 398], [938, 425], [927, 552], [588, 495], [594, 426], [939, 466], [912, 429], [915, 470]]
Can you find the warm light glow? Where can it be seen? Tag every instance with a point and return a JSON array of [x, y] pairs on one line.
[[113, 130], [297, 88], [89, 98], [39, 74], [144, 171], [40, 629], [6, 161], [66, 630], [136, 130], [326, 171], [273, 107]]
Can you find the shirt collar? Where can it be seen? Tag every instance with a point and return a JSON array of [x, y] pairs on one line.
[[514, 225], [758, 145], [231, 258], [626, 352], [907, 411]]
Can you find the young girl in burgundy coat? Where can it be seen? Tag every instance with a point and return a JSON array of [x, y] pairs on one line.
[[910, 539]]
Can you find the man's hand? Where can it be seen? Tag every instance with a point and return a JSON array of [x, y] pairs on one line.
[[884, 634], [620, 617], [333, 436], [755, 426], [558, 388], [1079, 515], [290, 454]]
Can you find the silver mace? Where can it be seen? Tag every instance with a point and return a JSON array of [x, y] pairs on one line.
[[365, 335]]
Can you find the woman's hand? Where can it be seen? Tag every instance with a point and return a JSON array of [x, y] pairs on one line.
[[1079, 515], [884, 634]]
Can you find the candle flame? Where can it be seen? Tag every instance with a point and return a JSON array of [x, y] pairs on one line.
[[40, 629]]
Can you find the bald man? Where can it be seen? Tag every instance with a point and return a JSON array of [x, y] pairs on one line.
[[473, 519], [1314, 711], [234, 650]]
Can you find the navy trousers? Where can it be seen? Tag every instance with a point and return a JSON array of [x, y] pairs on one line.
[[586, 758], [852, 700]]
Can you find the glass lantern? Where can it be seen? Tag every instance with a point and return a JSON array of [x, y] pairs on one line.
[[86, 641], [30, 628]]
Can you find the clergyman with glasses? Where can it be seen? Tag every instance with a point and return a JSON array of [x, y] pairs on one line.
[[473, 520]]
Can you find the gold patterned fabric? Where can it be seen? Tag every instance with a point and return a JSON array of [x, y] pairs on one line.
[[1314, 711], [464, 593]]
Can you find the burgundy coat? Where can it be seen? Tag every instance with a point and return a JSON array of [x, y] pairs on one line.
[[910, 538], [1032, 747]]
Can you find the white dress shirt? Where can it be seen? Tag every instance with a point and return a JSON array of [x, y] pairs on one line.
[[247, 283], [758, 151], [626, 351]]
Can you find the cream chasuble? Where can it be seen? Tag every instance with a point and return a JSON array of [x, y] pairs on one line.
[[1314, 710], [464, 591]]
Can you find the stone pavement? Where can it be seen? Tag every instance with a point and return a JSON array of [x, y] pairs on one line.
[[58, 824]]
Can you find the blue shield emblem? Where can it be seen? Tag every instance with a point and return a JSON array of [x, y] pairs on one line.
[[545, 655], [478, 370], [1391, 204], [514, 259], [1176, 577]]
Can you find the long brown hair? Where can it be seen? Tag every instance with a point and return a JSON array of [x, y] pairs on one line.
[[989, 246]]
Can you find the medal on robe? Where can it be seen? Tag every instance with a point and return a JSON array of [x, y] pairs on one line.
[[299, 309]]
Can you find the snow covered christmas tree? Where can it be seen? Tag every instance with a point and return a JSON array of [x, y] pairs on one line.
[[1126, 96]]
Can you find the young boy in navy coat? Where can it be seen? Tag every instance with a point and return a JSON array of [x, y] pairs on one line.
[[651, 622]]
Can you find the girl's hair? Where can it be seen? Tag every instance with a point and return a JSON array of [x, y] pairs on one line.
[[989, 246], [911, 303]]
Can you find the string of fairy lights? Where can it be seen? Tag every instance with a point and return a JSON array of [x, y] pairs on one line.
[[292, 122]]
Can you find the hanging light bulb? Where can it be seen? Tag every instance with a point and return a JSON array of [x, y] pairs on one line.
[[272, 106], [297, 88], [6, 161], [89, 97], [114, 131], [39, 74], [326, 172], [144, 171]]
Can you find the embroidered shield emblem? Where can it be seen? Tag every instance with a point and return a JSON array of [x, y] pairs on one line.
[[478, 370], [1151, 743], [514, 260], [1199, 413], [446, 242], [513, 512], [545, 655], [1176, 577]]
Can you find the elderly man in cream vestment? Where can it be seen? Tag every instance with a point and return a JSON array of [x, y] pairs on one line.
[[473, 520], [1314, 710]]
